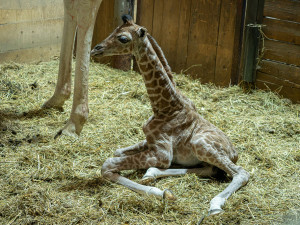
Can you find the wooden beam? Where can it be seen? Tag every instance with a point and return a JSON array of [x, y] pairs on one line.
[[253, 19]]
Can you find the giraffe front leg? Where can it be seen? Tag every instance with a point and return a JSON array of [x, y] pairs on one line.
[[86, 15], [63, 85], [131, 150], [143, 160], [153, 173]]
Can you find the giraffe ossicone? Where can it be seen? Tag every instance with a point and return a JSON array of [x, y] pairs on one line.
[[175, 134]]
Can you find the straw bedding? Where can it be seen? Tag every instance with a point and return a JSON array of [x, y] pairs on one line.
[[47, 181]]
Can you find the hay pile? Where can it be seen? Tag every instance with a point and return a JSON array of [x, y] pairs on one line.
[[47, 181]]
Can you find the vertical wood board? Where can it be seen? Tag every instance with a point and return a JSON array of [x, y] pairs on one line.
[[198, 37], [225, 47], [104, 25], [203, 37]]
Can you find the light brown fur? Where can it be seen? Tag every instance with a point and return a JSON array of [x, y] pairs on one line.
[[175, 134]]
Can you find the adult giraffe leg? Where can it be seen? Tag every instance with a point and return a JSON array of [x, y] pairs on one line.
[[63, 86], [86, 12]]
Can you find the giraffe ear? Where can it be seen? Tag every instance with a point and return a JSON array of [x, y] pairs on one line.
[[142, 32]]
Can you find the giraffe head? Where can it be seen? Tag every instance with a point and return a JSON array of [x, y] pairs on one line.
[[125, 39]]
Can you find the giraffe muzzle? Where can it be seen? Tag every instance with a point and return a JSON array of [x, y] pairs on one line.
[[97, 51]]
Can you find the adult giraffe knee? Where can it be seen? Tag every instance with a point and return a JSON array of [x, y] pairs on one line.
[[80, 15]]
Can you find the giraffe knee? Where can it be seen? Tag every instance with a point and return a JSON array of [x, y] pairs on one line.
[[242, 175], [107, 168]]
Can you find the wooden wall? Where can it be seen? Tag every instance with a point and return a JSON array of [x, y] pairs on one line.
[[30, 30], [198, 37], [280, 68]]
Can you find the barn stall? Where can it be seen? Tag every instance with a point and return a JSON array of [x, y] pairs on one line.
[[58, 181]]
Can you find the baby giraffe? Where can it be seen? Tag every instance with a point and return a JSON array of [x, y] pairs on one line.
[[175, 134]]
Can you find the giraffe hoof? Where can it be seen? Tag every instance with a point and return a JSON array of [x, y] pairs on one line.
[[168, 195], [215, 212], [147, 180]]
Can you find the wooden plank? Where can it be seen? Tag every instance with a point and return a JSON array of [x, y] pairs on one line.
[[225, 45], [144, 15], [282, 30], [238, 44], [183, 36], [281, 71], [30, 55], [30, 34], [283, 9], [158, 17], [165, 27], [282, 52], [267, 82], [203, 35], [104, 26]]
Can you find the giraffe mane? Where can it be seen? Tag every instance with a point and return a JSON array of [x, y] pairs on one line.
[[161, 57]]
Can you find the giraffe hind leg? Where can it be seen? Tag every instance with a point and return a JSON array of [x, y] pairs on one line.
[[218, 158]]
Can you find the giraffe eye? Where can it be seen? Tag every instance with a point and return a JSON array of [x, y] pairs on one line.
[[123, 39]]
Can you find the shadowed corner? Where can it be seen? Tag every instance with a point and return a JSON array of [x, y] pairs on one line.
[[83, 184]]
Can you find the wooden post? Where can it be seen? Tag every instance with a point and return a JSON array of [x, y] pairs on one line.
[[253, 18], [122, 7]]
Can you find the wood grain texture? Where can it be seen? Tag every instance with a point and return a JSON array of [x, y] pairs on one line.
[[283, 9], [145, 14], [282, 52], [181, 51], [104, 26], [203, 37], [193, 36], [280, 69], [283, 88], [282, 30], [225, 46], [165, 28], [285, 72]]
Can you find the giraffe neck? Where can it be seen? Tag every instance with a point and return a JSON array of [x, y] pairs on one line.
[[161, 89]]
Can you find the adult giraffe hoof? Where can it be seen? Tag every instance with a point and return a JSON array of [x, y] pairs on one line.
[[215, 212], [68, 130], [52, 104], [147, 179], [168, 195]]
